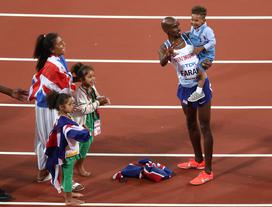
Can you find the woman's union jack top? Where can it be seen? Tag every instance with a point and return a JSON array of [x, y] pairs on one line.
[[53, 76]]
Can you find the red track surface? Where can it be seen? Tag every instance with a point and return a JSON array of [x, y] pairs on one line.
[[138, 130], [131, 39]]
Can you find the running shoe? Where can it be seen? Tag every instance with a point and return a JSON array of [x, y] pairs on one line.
[[192, 164], [196, 96], [202, 178]]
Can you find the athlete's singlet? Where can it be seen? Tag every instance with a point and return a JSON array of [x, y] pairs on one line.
[[185, 63]]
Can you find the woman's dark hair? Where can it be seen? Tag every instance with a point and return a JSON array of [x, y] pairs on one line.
[[43, 48], [55, 100], [80, 71], [199, 10]]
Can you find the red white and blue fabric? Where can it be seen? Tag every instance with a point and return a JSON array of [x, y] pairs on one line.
[[53, 76], [64, 129], [144, 168], [155, 171], [133, 171]]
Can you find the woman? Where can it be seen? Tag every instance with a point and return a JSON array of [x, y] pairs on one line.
[[178, 50], [52, 75]]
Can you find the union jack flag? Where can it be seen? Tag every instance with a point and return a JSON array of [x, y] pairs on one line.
[[53, 76], [63, 131], [144, 168]]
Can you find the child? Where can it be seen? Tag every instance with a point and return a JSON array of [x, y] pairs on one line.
[[203, 37], [87, 101], [63, 145]]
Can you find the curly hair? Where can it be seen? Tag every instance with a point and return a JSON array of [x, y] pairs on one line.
[[55, 100]]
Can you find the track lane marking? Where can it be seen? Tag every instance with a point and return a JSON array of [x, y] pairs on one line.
[[137, 61], [145, 155], [77, 16], [137, 204], [152, 107]]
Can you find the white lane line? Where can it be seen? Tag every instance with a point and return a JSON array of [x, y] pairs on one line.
[[137, 204], [18, 105], [145, 155], [75, 16], [151, 107], [138, 61]]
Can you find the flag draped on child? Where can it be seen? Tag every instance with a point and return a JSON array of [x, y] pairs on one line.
[[63, 130], [53, 76]]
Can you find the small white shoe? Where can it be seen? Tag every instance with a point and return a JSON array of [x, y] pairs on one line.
[[196, 96]]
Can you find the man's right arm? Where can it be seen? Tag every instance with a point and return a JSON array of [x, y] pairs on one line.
[[18, 94], [164, 55], [5, 90]]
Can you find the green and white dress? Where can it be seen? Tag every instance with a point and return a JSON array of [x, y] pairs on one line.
[[86, 113]]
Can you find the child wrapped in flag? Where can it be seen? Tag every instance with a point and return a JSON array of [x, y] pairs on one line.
[[63, 146]]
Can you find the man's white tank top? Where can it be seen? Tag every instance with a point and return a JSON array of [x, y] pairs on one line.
[[185, 63]]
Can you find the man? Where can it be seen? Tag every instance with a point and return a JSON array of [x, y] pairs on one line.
[[20, 95], [178, 49]]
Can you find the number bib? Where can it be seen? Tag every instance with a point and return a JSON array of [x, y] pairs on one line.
[[97, 127]]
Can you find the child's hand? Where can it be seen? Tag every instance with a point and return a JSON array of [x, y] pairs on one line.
[[84, 126], [76, 108], [197, 50], [102, 100], [206, 64], [108, 100]]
